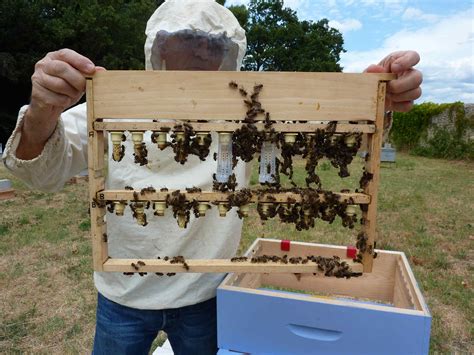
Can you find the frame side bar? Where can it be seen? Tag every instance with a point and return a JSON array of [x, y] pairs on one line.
[[96, 150]]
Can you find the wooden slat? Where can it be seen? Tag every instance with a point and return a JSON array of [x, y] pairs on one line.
[[215, 265], [231, 127], [96, 150], [206, 95], [205, 196], [373, 166], [412, 284], [401, 292]]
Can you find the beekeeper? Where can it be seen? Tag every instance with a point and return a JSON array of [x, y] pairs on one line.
[[49, 146]]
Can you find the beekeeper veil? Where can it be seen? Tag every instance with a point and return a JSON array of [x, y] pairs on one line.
[[194, 35]]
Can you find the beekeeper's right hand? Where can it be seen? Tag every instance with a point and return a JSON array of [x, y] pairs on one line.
[[57, 84]]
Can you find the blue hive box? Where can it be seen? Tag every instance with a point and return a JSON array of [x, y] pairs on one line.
[[387, 154], [382, 312]]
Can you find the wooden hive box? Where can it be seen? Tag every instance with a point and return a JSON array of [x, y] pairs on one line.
[[382, 312]]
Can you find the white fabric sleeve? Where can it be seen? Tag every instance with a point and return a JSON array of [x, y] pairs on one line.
[[63, 156]]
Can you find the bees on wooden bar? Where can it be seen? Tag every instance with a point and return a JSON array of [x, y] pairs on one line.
[[365, 179], [149, 189]]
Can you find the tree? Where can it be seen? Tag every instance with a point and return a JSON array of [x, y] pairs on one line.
[[241, 13], [110, 32], [278, 41]]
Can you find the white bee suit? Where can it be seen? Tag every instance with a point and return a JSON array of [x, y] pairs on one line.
[[209, 237]]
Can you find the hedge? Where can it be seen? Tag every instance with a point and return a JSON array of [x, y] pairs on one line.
[[410, 132]]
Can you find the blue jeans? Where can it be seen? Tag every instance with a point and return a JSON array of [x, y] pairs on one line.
[[192, 330]]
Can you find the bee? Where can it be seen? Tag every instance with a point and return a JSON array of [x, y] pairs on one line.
[[256, 105], [140, 263], [257, 88], [110, 207], [248, 103], [135, 266], [104, 237], [250, 114], [158, 273], [242, 91], [170, 274], [128, 273], [145, 190], [365, 179], [129, 188], [135, 196], [193, 189], [122, 152], [233, 85], [141, 155]]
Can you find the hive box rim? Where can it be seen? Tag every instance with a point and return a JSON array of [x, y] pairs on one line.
[[226, 287]]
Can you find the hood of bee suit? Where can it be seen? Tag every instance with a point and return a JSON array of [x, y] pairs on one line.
[[200, 17]]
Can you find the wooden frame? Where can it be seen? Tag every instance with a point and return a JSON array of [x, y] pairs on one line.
[[138, 100]]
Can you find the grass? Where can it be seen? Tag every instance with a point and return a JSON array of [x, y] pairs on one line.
[[47, 302]]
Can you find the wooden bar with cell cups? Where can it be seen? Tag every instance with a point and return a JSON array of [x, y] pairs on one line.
[[312, 114]]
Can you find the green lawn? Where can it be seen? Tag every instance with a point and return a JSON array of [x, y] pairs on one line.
[[47, 299]]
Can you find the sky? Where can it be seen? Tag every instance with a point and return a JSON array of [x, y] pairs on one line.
[[442, 32]]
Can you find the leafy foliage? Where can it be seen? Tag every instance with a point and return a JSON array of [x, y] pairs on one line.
[[445, 145], [410, 132], [278, 41], [408, 127]]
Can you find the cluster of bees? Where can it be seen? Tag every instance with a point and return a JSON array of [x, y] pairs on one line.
[[329, 266], [174, 260], [312, 205], [184, 141]]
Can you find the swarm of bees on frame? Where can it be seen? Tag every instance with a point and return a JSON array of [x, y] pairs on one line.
[[303, 209]]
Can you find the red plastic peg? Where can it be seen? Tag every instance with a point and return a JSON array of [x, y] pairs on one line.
[[351, 251], [285, 245]]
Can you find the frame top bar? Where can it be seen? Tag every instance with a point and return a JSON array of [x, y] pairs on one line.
[[205, 95]]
